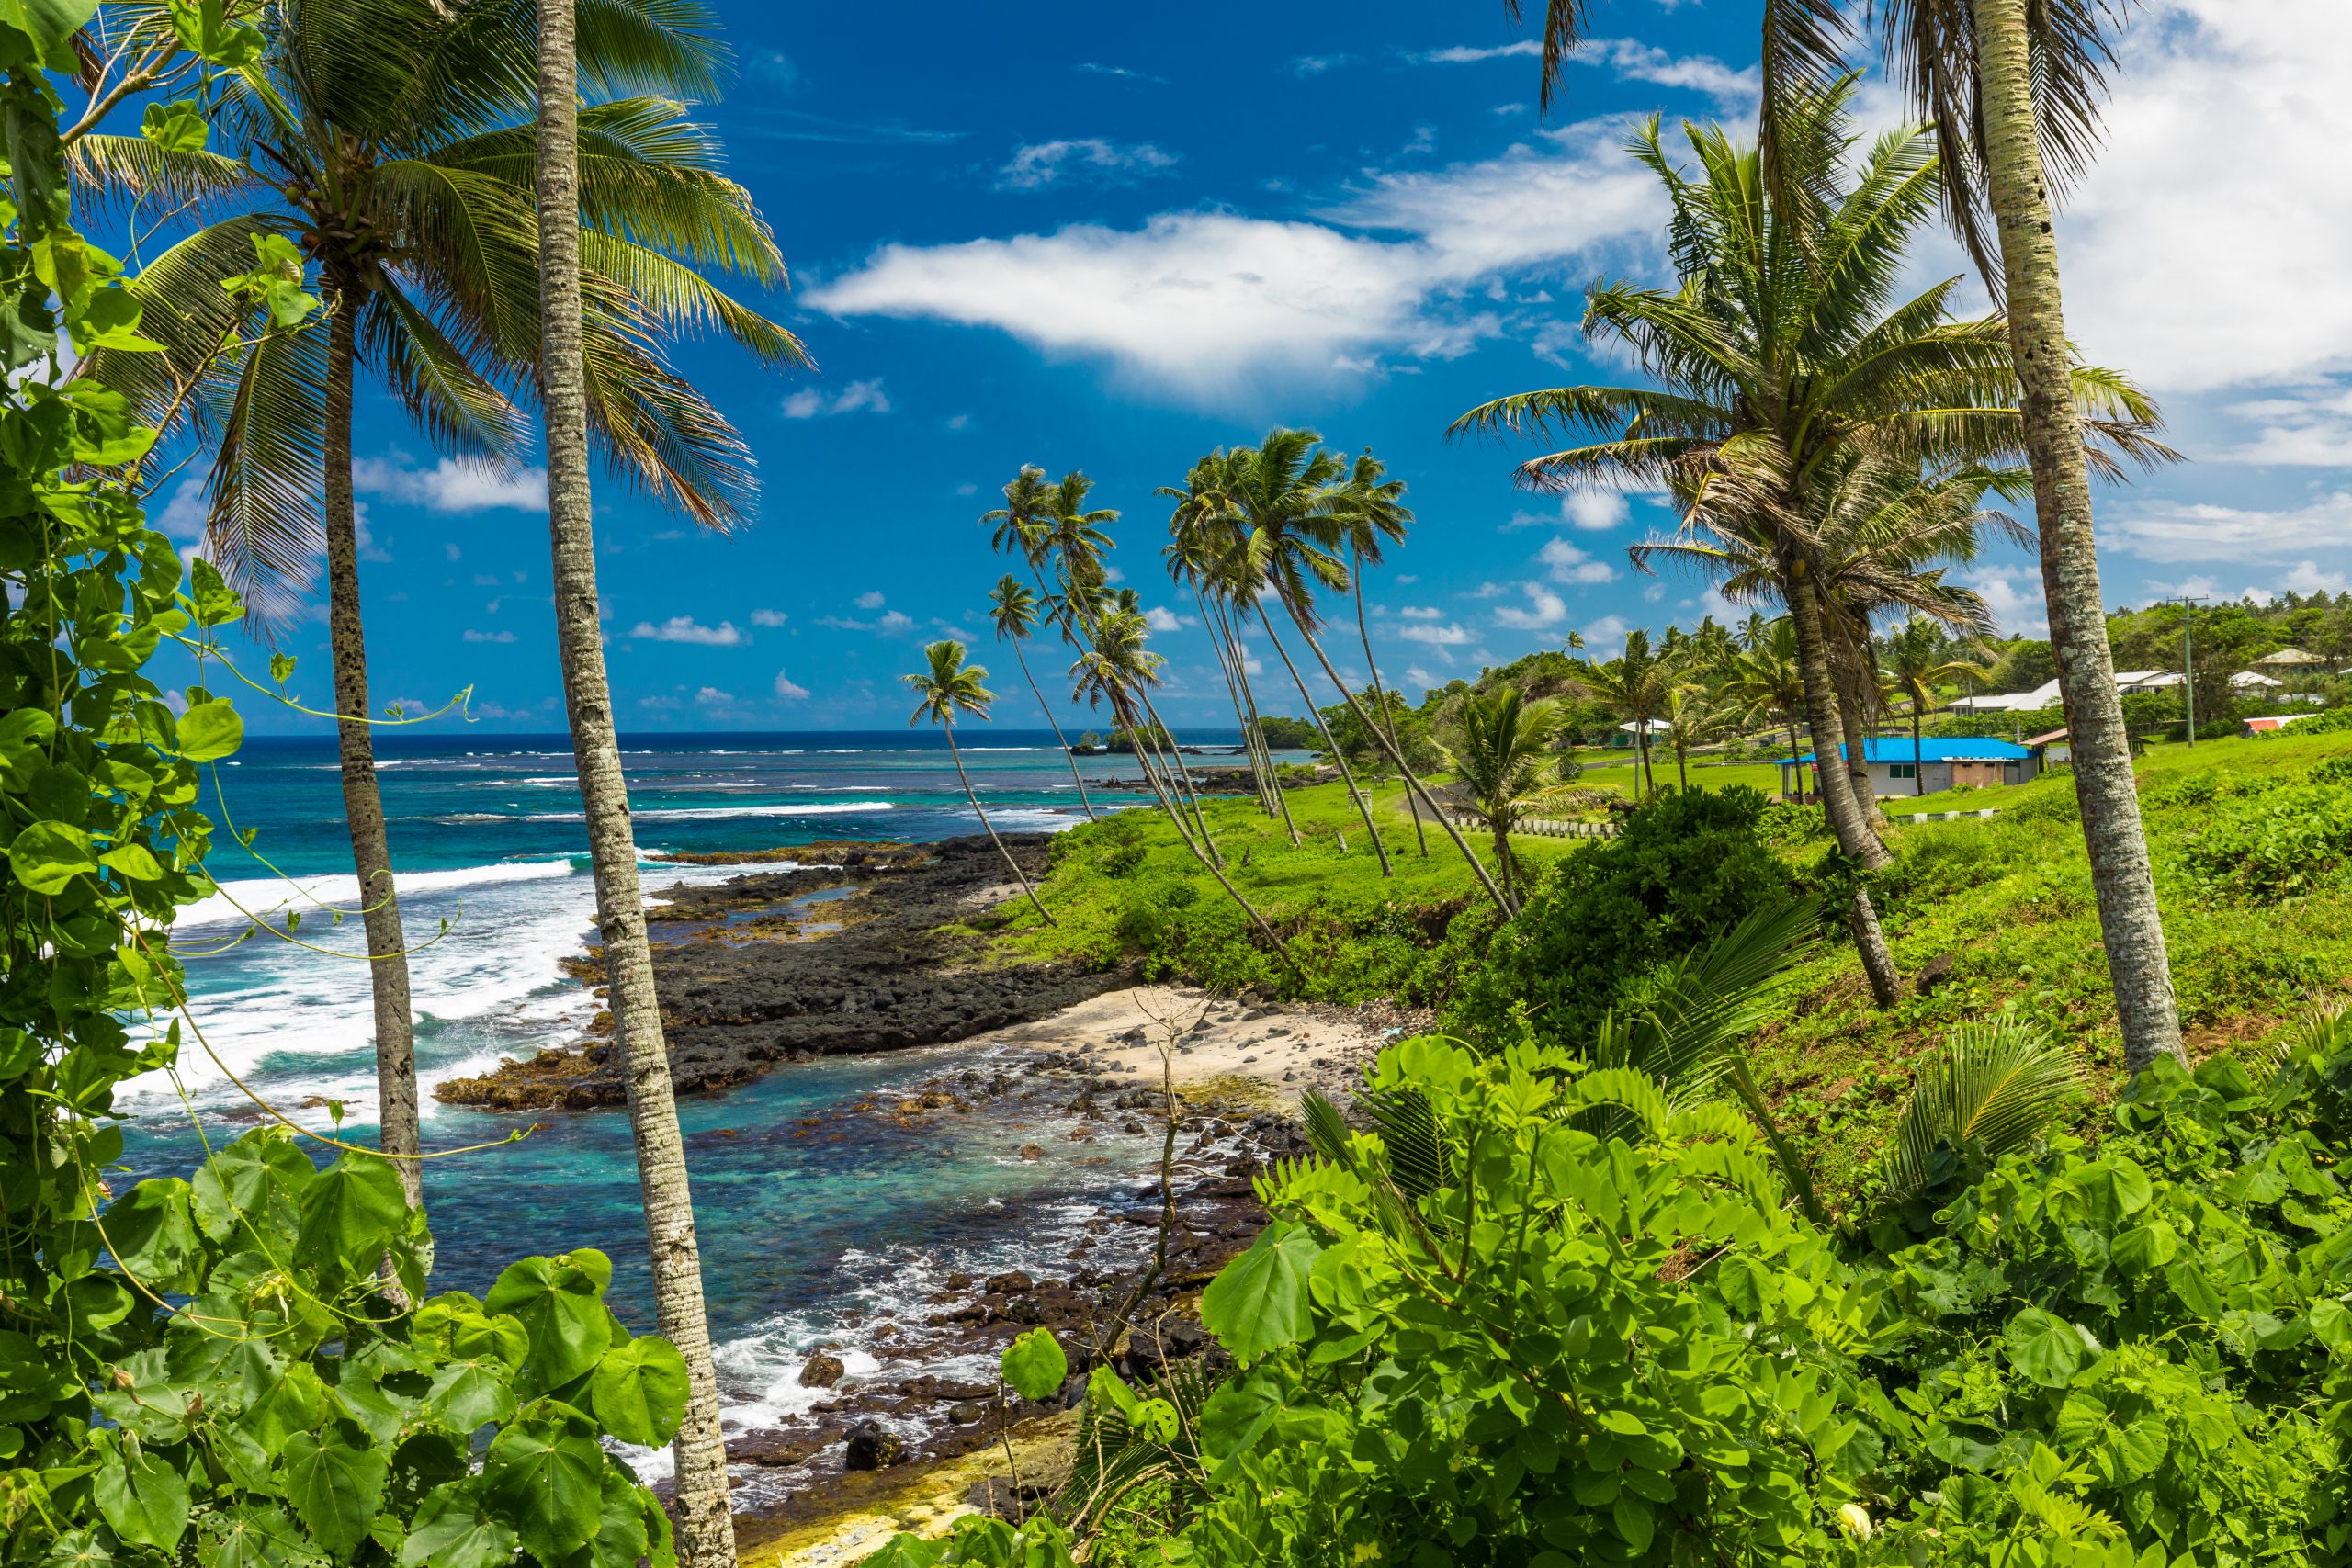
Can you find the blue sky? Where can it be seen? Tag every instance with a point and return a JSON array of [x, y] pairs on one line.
[[1089, 237]]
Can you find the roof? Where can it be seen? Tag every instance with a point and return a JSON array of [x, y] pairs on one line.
[[2248, 678], [1898, 749], [2275, 721], [2290, 656], [2045, 739]]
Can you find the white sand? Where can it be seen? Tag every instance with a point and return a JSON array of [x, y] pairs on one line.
[[1212, 1038]]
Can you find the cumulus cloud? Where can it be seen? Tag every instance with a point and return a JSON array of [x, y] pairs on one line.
[[1206, 301], [858, 397], [2191, 531], [2014, 596], [788, 690], [1451, 634], [889, 625], [1422, 612], [473, 636], [1591, 510], [769, 617], [872, 598], [1545, 608], [452, 484], [1629, 58], [687, 629], [1161, 619], [1607, 632], [1043, 165], [1566, 563], [711, 696], [183, 515]]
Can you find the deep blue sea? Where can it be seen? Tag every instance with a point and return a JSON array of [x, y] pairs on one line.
[[801, 1238]]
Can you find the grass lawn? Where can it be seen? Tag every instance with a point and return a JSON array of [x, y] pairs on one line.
[[2008, 898]]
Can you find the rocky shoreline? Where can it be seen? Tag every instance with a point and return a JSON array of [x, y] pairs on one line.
[[882, 1434], [879, 948]]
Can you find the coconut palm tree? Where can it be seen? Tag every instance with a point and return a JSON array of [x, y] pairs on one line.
[[1637, 683], [1692, 717], [404, 176], [1765, 680], [946, 688], [567, 380], [1784, 347], [1507, 767], [1373, 515], [1915, 659], [1012, 609], [2013, 89]]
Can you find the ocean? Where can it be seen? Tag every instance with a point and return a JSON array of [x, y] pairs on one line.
[[803, 1238]]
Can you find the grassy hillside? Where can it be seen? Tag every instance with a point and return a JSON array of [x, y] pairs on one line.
[[2252, 841]]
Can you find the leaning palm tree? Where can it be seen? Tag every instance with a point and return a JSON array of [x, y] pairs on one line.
[[949, 687], [1374, 514], [2013, 89], [1506, 768], [1765, 680], [394, 141], [682, 212], [1784, 346], [1692, 717], [1012, 609], [1638, 684], [1916, 661]]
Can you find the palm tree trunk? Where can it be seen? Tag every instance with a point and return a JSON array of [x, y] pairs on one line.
[[1682, 766], [1273, 942], [1227, 666], [1412, 781], [1502, 858], [957, 753], [1364, 806], [1059, 739], [1265, 749], [1854, 835], [2130, 920], [1183, 774], [1852, 724], [1797, 755], [1918, 779], [363, 803], [705, 1527], [1380, 696]]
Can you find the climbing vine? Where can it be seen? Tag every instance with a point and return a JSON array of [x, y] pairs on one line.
[[211, 1370]]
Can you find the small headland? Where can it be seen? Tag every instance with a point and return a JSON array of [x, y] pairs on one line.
[[873, 947]]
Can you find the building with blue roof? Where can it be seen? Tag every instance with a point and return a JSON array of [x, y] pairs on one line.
[[1897, 769]]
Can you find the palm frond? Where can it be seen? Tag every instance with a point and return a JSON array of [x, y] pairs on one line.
[[1990, 1093]]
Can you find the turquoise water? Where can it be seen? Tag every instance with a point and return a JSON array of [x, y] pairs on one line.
[[804, 1237]]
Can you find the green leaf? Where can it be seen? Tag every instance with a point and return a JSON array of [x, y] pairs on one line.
[[134, 862], [639, 1391], [151, 1234], [2048, 1349], [619, 1540], [561, 1307], [351, 1209], [334, 1488], [47, 856], [252, 1536], [211, 730], [1257, 1302], [469, 1395], [1035, 1365], [449, 1531], [545, 1476], [175, 127], [144, 1499]]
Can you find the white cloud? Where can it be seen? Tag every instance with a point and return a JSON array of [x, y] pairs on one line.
[[1448, 635], [858, 397], [872, 598], [1422, 612], [1211, 301], [2191, 531], [687, 629], [1046, 163], [1420, 677], [1566, 563], [452, 484], [769, 617], [473, 636], [2299, 432], [450, 550], [958, 421], [1606, 633], [1316, 65], [1545, 608], [788, 690], [889, 625], [1632, 60], [183, 515], [2304, 577], [711, 696], [1161, 619], [2014, 596]]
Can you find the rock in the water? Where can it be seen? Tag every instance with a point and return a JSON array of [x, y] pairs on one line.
[[872, 1446], [1008, 1282], [963, 1415], [1031, 1151], [822, 1372]]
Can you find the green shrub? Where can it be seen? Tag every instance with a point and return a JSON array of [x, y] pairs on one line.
[[2275, 844], [1688, 866]]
